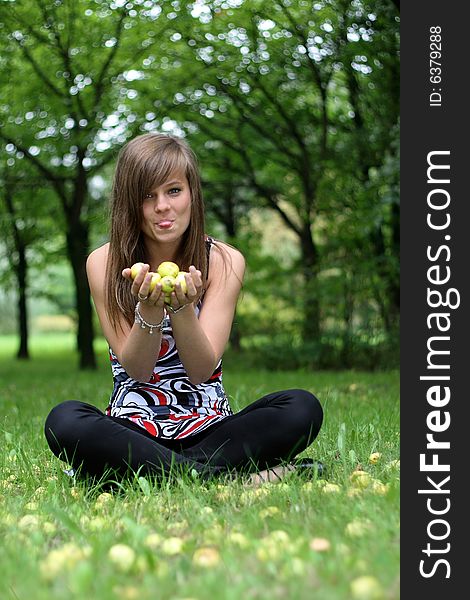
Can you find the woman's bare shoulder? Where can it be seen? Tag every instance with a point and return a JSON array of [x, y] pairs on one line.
[[226, 258], [99, 257], [95, 269]]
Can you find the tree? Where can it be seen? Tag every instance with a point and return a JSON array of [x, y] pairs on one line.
[[68, 104], [20, 236]]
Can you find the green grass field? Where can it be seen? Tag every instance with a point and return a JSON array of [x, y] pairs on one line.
[[333, 539]]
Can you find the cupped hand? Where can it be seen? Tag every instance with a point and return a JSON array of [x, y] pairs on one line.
[[141, 286], [194, 289]]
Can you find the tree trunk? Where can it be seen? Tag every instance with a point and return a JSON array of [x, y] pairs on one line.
[[348, 311], [311, 324], [391, 311], [231, 228], [228, 217], [77, 248], [21, 269], [395, 284], [21, 275], [235, 337]]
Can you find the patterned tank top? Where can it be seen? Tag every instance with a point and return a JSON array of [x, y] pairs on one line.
[[168, 406]]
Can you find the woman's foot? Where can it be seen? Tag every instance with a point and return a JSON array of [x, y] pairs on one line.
[[309, 466], [273, 475], [302, 466]]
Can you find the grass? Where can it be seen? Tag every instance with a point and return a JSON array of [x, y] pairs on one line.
[[335, 539]]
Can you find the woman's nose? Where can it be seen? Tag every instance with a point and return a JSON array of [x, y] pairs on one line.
[[161, 203]]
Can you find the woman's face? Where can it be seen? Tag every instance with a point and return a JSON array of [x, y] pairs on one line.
[[166, 210]]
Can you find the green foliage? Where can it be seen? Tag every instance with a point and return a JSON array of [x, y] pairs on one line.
[[287, 352]]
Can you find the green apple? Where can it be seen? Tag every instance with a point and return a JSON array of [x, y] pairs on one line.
[[135, 269], [156, 278], [182, 281], [168, 268], [168, 284]]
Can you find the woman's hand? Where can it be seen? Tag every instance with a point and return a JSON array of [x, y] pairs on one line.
[[141, 287], [194, 289]]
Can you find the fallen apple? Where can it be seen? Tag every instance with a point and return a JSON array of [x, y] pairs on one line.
[[135, 269], [168, 268], [180, 278]]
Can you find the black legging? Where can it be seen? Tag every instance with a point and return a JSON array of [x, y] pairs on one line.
[[271, 430]]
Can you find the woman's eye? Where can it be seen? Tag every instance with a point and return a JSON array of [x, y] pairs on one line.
[[171, 191]]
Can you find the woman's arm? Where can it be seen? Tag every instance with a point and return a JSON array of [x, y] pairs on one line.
[[201, 341], [135, 348]]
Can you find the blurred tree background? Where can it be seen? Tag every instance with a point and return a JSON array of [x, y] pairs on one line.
[[292, 107]]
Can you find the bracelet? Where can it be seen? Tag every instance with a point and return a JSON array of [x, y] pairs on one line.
[[175, 310], [143, 323]]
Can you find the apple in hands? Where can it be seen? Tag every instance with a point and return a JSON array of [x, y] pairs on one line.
[[180, 278], [135, 269], [168, 269], [156, 278], [171, 275], [168, 284], [168, 274]]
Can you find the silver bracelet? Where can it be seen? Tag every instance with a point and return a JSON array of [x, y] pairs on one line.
[[143, 323], [175, 310]]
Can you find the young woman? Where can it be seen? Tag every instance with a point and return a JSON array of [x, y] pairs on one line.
[[168, 407]]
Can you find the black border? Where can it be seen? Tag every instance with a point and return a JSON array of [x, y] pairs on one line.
[[426, 128]]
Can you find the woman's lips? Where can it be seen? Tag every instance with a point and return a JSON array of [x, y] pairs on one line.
[[165, 224]]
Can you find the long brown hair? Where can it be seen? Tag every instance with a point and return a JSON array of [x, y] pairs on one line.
[[143, 164]]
